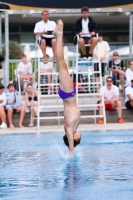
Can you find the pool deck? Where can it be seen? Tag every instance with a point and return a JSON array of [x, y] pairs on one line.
[[110, 126]]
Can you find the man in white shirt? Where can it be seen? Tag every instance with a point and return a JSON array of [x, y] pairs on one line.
[[102, 48], [25, 71], [129, 96], [86, 28], [2, 104], [129, 73], [44, 32], [110, 93]]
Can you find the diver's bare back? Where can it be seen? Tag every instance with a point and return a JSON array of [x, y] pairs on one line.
[[71, 113]]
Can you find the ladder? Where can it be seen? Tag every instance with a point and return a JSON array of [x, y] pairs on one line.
[[58, 104], [87, 65]]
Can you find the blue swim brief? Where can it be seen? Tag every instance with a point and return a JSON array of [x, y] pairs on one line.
[[63, 95]]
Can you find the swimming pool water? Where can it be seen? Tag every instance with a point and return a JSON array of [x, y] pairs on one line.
[[35, 167]]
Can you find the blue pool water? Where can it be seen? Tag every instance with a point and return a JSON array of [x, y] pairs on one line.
[[35, 167]]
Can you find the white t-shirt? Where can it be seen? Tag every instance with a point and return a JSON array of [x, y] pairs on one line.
[[128, 90], [102, 47], [46, 66], [85, 28], [42, 26], [24, 68], [3, 99], [109, 94], [129, 76]]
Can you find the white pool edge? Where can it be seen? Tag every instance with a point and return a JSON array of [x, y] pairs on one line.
[[110, 126]]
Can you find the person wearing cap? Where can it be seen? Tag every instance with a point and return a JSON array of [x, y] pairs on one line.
[[86, 27], [114, 64], [110, 94], [102, 50], [129, 96], [129, 73], [2, 109]]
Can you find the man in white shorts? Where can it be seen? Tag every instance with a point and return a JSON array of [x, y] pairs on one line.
[[110, 93], [44, 33], [47, 68], [25, 71]]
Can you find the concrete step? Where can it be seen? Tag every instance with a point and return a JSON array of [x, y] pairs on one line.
[[110, 115]]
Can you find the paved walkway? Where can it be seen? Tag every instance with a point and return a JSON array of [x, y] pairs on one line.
[[109, 126]]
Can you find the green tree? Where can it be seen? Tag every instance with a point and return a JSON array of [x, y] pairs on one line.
[[14, 50]]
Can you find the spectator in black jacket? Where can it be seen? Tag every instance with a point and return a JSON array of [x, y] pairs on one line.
[[86, 28], [1, 60]]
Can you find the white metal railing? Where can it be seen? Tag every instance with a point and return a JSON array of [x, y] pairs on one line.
[[14, 63]]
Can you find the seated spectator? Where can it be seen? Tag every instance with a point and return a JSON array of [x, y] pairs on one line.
[[47, 68], [110, 93], [14, 105], [31, 98], [86, 28], [25, 71], [129, 96], [2, 104], [44, 30], [129, 73], [117, 63]]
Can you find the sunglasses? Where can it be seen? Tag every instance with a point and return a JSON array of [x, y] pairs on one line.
[[109, 81], [115, 55]]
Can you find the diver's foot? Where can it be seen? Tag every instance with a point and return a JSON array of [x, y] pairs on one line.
[[59, 27]]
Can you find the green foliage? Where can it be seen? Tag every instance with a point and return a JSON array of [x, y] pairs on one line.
[[14, 50]]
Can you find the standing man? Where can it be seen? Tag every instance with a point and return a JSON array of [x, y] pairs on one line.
[[102, 48], [110, 94], [67, 93], [44, 31], [87, 29]]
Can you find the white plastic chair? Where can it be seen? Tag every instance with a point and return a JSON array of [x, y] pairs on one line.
[[18, 78]]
